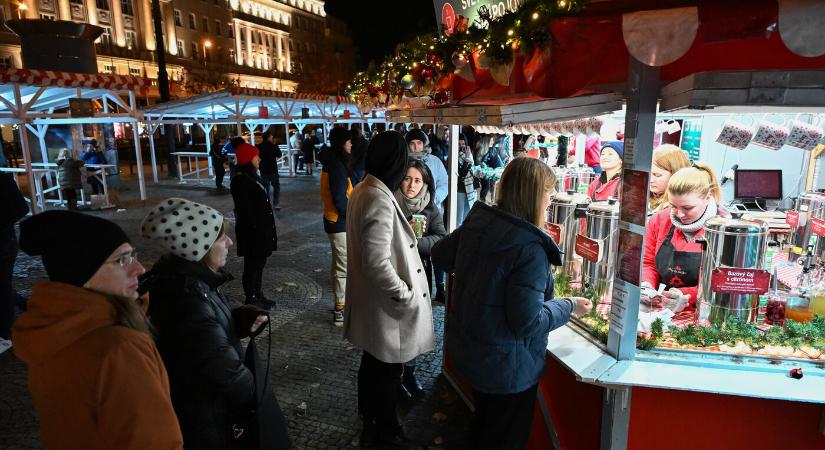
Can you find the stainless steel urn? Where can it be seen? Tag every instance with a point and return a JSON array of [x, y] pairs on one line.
[[562, 213], [730, 243], [602, 226], [809, 205]]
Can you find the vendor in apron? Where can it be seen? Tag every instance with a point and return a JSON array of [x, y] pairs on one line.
[[608, 185], [672, 253]]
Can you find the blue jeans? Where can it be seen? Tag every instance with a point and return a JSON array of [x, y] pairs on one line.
[[272, 182]]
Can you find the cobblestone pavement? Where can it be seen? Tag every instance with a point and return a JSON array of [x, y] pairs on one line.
[[313, 370]]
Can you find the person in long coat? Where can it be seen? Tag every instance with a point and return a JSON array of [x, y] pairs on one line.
[[255, 222], [388, 313], [416, 197], [95, 375], [198, 333]]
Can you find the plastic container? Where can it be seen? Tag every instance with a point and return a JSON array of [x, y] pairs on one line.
[[799, 309]]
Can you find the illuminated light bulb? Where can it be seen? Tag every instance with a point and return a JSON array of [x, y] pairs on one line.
[[535, 16], [509, 32], [562, 3]]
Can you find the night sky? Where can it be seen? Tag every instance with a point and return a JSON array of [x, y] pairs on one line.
[[377, 26]]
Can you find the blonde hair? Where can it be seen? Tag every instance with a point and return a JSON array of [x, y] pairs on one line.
[[671, 158], [523, 184], [64, 153], [700, 179]]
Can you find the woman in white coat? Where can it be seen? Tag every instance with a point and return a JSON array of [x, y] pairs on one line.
[[388, 312]]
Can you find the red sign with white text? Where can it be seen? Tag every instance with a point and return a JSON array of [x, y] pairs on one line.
[[792, 218], [588, 248], [817, 226], [554, 231], [732, 280]]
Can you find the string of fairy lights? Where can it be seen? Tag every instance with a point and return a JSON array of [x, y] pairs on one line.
[[424, 66]]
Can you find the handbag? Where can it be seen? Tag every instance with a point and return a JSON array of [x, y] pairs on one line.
[[264, 427]]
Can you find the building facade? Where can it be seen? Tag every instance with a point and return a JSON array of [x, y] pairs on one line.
[[210, 44]]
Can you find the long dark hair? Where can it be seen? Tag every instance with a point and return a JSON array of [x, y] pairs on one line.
[[426, 175]]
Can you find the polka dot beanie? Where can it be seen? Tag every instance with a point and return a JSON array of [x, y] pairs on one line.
[[185, 228]]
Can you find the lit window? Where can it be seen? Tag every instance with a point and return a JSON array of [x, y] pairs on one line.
[[127, 8], [108, 68]]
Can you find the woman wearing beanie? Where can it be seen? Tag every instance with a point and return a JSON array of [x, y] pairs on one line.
[[255, 222], [96, 378], [388, 313], [672, 253], [198, 334], [503, 306], [608, 184], [336, 187], [415, 198]]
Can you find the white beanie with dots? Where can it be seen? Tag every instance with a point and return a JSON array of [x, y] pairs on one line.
[[185, 228]]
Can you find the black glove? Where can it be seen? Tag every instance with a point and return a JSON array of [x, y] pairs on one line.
[[244, 316]]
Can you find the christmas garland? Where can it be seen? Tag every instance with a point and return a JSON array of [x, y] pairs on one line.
[[420, 66]]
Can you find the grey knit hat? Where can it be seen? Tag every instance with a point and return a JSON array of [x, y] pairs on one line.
[[185, 228]]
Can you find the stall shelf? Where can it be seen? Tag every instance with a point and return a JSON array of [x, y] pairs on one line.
[[35, 99], [250, 108]]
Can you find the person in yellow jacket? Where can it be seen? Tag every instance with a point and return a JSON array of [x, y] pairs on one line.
[[96, 378], [336, 186]]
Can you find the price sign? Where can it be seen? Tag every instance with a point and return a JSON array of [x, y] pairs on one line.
[[732, 280], [817, 226], [792, 218], [555, 232], [588, 248]]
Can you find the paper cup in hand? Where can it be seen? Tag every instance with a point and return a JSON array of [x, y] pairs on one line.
[[804, 135], [419, 225], [770, 135], [735, 135]]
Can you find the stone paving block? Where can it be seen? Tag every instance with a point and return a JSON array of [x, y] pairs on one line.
[[309, 361]]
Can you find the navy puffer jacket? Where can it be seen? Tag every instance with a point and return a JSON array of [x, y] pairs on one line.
[[502, 307]]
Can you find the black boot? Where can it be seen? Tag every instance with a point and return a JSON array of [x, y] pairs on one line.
[[263, 300], [439, 293], [411, 384]]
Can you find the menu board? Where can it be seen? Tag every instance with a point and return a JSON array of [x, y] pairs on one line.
[[630, 256], [691, 138], [634, 196]]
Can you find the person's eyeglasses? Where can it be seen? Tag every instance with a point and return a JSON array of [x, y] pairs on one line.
[[126, 259]]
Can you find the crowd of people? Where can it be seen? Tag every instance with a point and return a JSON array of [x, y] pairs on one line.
[[110, 369]]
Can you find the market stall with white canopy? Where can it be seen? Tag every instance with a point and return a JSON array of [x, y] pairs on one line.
[[250, 108], [36, 99]]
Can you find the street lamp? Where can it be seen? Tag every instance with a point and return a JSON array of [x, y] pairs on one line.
[[207, 44], [21, 9]]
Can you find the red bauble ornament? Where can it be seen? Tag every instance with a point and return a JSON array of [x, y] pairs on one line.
[[427, 73]]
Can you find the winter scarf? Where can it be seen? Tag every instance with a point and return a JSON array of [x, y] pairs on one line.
[[416, 204], [710, 211]]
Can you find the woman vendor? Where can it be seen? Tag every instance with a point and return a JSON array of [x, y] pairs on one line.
[[672, 255], [667, 159], [608, 185]]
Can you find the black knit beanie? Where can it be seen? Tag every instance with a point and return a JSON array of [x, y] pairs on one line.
[[72, 245], [417, 134], [387, 158]]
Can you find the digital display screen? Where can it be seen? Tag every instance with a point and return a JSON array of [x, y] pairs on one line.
[[764, 184]]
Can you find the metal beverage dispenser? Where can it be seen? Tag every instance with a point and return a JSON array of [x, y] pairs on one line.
[[809, 205], [730, 243], [566, 211], [602, 226]]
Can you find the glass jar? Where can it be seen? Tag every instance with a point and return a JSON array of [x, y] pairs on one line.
[[775, 310], [798, 308], [818, 300]]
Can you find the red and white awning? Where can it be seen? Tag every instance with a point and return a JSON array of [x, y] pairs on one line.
[[36, 77]]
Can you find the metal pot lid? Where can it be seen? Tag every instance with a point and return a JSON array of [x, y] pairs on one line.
[[565, 198], [604, 207], [736, 226]]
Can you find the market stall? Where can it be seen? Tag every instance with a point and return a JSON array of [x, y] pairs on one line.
[[729, 371], [248, 109], [33, 100]]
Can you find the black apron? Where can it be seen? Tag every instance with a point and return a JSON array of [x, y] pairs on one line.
[[677, 269]]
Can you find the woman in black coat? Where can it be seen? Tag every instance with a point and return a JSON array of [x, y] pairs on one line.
[[416, 197], [198, 335], [255, 222]]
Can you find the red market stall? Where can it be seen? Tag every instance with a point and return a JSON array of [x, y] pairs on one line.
[[693, 59]]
